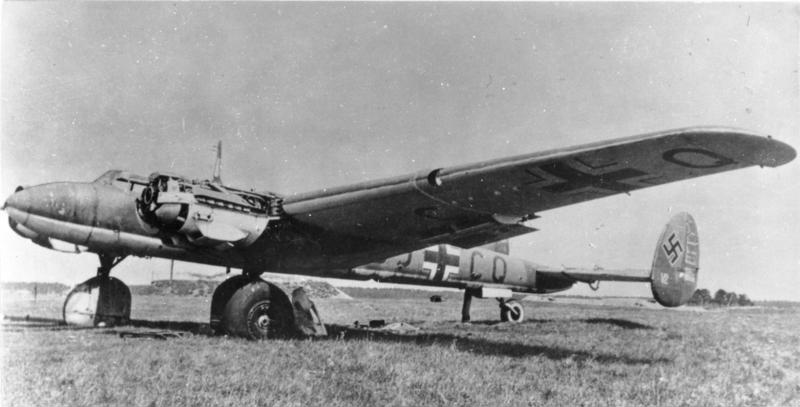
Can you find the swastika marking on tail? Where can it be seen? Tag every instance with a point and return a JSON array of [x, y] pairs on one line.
[[674, 249]]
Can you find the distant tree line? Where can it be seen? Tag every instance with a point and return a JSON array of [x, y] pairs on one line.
[[721, 298], [39, 288]]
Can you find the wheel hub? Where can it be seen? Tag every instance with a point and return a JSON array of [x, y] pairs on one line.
[[262, 322], [259, 320]]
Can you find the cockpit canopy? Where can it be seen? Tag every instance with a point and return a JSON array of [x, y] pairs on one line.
[[123, 180]]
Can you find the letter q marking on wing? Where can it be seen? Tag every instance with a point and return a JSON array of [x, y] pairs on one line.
[[696, 158]]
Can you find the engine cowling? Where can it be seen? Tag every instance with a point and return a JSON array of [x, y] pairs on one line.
[[205, 213]]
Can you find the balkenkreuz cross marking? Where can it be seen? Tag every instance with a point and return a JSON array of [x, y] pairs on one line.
[[441, 263], [574, 179]]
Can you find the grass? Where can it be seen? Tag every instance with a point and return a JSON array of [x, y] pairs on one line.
[[564, 354]]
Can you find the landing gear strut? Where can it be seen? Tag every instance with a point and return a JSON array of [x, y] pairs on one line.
[[107, 262], [101, 300], [510, 309], [466, 306]]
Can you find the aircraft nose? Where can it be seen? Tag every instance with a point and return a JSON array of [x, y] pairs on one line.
[[16, 206], [63, 201], [19, 200]]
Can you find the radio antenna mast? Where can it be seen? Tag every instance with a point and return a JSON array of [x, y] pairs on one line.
[[218, 165]]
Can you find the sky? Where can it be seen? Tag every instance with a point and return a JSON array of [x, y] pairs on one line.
[[312, 95]]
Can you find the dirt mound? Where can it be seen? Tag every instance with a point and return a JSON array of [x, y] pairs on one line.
[[316, 289]]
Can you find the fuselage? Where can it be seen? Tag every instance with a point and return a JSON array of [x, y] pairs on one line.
[[450, 266], [107, 216]]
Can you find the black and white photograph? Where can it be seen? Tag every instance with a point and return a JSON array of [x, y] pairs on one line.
[[399, 204]]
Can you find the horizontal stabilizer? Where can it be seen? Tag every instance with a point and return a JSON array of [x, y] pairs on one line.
[[600, 274], [673, 275]]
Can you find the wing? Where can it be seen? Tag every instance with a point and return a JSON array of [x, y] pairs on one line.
[[479, 203]]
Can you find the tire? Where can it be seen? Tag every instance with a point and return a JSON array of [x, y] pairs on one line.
[[219, 300], [512, 311], [96, 301], [255, 312]]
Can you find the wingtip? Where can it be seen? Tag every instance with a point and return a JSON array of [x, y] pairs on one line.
[[763, 150], [776, 153]]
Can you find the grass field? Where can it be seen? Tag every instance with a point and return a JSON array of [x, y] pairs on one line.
[[563, 355]]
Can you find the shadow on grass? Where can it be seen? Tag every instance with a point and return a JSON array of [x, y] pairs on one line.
[[19, 324], [53, 324], [622, 323], [482, 346], [196, 328], [479, 346], [527, 321]]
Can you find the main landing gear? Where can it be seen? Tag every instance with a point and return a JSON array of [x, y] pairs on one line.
[[510, 309], [249, 307], [244, 306], [100, 300]]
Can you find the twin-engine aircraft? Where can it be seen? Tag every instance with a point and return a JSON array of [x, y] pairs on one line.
[[426, 227]]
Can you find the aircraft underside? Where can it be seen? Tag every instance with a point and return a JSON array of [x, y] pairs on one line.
[[247, 306]]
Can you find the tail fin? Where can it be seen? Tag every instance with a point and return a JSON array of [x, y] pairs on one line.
[[673, 277]]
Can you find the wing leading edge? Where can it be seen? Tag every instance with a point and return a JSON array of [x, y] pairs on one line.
[[475, 204]]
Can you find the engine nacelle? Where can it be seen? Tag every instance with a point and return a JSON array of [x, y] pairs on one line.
[[206, 213]]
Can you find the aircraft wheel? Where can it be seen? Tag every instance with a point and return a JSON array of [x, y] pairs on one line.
[[222, 294], [98, 300], [257, 310], [512, 311]]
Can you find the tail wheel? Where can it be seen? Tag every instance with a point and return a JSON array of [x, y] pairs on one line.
[[512, 311]]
